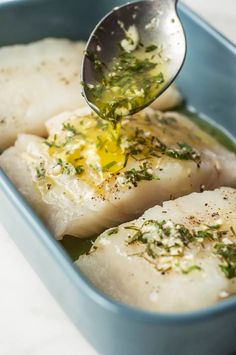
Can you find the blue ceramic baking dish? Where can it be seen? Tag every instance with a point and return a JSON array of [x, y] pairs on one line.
[[208, 83]]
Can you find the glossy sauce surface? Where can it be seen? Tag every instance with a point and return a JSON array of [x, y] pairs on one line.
[[132, 79]]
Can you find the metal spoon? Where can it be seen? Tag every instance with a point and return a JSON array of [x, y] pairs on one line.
[[157, 24]]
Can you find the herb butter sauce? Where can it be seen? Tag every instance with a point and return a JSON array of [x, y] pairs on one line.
[[130, 81], [76, 247]]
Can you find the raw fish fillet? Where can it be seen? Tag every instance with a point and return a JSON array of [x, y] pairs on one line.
[[37, 81], [178, 257], [87, 176]]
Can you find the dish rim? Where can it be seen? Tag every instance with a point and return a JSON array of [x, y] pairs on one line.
[[66, 264]]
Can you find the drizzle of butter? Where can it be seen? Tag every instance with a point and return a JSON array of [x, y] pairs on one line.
[[99, 153], [89, 154]]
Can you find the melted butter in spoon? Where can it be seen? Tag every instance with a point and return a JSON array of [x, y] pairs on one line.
[[130, 81]]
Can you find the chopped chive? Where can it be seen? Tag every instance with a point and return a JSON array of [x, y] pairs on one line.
[[151, 48], [108, 166]]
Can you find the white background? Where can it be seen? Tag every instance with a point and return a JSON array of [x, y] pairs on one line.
[[31, 322]]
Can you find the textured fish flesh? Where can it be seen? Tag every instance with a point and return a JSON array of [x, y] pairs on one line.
[[87, 176], [178, 257], [37, 81]]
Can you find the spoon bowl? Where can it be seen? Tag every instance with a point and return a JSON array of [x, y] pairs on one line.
[[155, 23]]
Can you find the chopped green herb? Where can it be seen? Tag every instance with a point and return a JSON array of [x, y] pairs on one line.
[[168, 121], [153, 146], [185, 234], [40, 171], [52, 143], [70, 128], [108, 166], [79, 169], [113, 231], [57, 143], [184, 152], [151, 48], [191, 268], [137, 236], [228, 255], [155, 236], [98, 65], [59, 162], [132, 228], [144, 173], [67, 169], [49, 144]]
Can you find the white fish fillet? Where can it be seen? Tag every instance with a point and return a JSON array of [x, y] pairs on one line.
[[108, 190], [37, 81], [129, 273]]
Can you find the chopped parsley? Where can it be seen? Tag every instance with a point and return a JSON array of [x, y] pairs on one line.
[[66, 168], [58, 142], [152, 146], [151, 48], [98, 65], [191, 268], [69, 127], [228, 256], [168, 121], [144, 172], [40, 170], [79, 169], [166, 243], [108, 166], [52, 142], [183, 152], [113, 231], [59, 162]]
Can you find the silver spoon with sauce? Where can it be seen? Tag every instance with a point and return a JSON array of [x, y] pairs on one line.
[[132, 56]]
